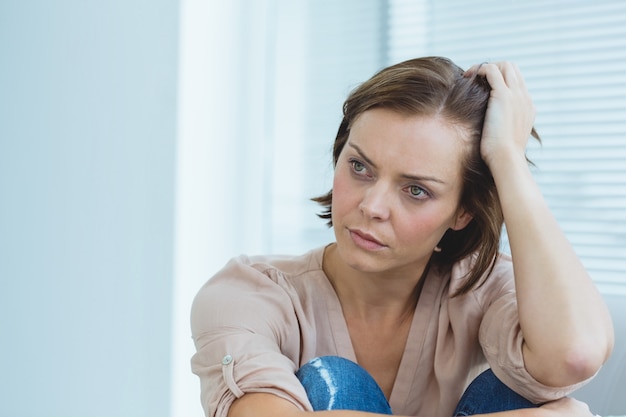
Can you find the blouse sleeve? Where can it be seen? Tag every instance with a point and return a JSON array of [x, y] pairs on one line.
[[246, 335], [501, 339]]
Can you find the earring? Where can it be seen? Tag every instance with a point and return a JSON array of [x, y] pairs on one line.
[[437, 249]]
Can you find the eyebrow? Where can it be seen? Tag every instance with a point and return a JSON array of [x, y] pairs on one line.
[[405, 176]]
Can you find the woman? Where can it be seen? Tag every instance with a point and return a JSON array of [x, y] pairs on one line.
[[429, 163]]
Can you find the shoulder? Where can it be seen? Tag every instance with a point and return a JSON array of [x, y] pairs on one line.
[[267, 269], [503, 268], [493, 284], [248, 285]]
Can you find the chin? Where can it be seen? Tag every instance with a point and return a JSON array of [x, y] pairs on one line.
[[359, 259]]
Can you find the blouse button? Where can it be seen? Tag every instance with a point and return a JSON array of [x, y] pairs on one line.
[[227, 360]]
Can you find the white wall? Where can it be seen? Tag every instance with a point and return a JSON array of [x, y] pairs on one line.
[[87, 154]]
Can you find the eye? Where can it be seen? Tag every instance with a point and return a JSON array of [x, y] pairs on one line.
[[358, 167], [417, 192]]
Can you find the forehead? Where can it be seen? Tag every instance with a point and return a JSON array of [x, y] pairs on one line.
[[415, 144]]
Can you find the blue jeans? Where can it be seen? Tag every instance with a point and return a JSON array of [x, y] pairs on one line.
[[334, 383]]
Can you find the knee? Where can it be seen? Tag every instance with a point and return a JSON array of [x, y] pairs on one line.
[[487, 394], [331, 372], [329, 363], [334, 383], [487, 379]]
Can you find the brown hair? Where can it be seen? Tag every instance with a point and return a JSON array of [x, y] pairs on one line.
[[430, 86]]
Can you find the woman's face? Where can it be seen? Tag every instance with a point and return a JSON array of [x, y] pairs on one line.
[[396, 190]]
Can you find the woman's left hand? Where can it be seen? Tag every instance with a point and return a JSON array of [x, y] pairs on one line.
[[510, 112]]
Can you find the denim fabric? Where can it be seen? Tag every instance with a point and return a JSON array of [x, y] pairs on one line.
[[487, 394], [334, 383]]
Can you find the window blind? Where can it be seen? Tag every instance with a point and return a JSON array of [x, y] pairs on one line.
[[573, 57]]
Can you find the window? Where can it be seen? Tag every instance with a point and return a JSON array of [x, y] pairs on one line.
[[573, 56]]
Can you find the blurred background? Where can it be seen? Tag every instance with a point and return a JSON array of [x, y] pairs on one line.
[[144, 143]]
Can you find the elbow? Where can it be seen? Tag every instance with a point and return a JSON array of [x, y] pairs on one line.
[[583, 361], [575, 361], [572, 356], [579, 366]]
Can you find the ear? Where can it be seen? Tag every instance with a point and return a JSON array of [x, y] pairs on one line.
[[462, 219]]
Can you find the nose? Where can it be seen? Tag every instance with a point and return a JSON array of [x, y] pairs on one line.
[[376, 202]]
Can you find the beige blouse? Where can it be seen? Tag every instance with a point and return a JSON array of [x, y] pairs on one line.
[[260, 318]]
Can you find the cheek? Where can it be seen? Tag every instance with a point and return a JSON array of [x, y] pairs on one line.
[[424, 226], [339, 182], [343, 194]]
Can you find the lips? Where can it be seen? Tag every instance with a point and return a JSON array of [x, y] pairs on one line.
[[365, 240]]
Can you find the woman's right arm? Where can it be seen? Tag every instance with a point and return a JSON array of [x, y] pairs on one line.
[[247, 337], [268, 405]]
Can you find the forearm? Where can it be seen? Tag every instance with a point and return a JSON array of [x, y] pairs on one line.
[[268, 405], [566, 326]]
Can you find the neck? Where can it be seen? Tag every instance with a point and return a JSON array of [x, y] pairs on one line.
[[372, 296]]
